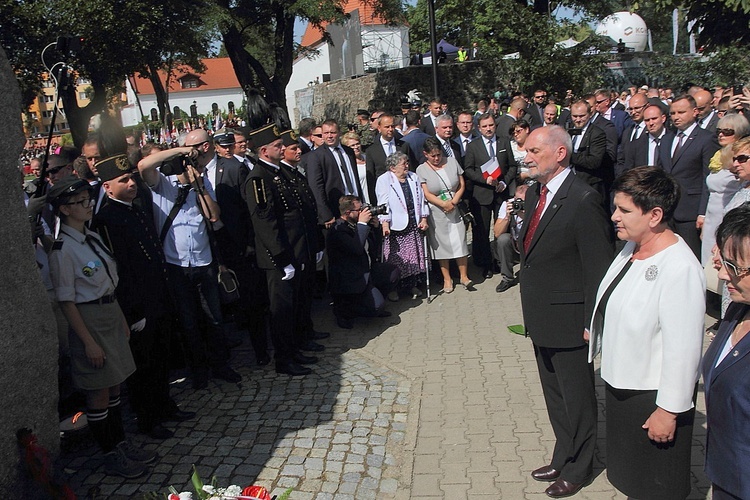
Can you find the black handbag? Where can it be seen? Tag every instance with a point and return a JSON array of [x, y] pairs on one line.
[[229, 287]]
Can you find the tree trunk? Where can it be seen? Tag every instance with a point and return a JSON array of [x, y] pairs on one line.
[[161, 94]]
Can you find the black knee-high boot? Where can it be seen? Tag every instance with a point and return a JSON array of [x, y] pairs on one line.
[[99, 424]]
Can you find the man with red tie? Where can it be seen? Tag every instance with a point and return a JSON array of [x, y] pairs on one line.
[[566, 246]]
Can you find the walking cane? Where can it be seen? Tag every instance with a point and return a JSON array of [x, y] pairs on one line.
[[427, 268]]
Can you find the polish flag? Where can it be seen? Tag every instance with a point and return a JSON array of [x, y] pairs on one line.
[[491, 169]]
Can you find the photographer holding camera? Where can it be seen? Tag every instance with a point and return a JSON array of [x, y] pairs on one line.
[[507, 226], [180, 203], [356, 281]]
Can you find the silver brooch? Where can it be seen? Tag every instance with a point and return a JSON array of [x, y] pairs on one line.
[[651, 273]]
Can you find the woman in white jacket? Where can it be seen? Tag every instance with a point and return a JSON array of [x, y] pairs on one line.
[[405, 222], [648, 325]]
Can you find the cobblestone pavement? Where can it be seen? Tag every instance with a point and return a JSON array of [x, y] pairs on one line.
[[438, 401]]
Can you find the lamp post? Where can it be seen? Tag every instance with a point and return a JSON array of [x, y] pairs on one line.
[[433, 48]]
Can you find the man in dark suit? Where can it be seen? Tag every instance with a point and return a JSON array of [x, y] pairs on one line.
[[427, 124], [331, 173], [384, 145], [237, 247], [413, 136], [686, 154], [707, 118], [351, 279], [589, 156], [490, 182], [281, 246], [306, 126], [607, 126], [603, 106], [633, 146], [535, 109], [566, 247], [444, 133], [466, 132], [516, 111]]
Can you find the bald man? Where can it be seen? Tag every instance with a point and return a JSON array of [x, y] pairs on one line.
[[707, 118], [516, 111], [550, 115]]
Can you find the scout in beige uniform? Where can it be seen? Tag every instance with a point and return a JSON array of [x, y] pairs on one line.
[[84, 275]]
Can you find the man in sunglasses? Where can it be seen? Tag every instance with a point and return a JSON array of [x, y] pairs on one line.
[[707, 117], [685, 154], [633, 146]]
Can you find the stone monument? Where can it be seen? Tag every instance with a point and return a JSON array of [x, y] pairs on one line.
[[28, 339]]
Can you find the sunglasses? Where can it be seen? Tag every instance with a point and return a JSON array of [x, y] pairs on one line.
[[320, 136], [741, 158], [85, 203], [726, 131], [734, 268]]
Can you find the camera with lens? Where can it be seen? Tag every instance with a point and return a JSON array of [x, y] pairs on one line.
[[516, 205], [176, 165], [376, 210]]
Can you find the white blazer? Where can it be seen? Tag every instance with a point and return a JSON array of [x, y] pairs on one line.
[[389, 192], [651, 337]]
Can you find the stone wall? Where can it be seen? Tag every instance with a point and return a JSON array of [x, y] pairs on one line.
[[28, 339], [460, 84]]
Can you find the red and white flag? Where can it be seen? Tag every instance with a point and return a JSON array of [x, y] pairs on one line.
[[491, 169]]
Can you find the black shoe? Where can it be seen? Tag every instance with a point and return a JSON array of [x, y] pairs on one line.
[[157, 432], [344, 323], [312, 346], [292, 368], [505, 284], [200, 379], [226, 373], [382, 313], [304, 360], [315, 335], [263, 360], [178, 416], [488, 274]]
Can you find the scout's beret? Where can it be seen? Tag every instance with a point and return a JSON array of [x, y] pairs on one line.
[[65, 188], [113, 167]]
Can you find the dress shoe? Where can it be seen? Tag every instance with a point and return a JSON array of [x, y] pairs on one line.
[[263, 360], [344, 323], [315, 335], [561, 489], [488, 274], [158, 431], [504, 285], [393, 296], [226, 373], [312, 346], [448, 286], [304, 359], [178, 416], [292, 368], [468, 285], [546, 473]]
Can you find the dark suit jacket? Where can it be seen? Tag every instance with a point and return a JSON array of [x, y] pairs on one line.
[[132, 237], [632, 154], [324, 177], [415, 139], [458, 141], [690, 169], [230, 180], [426, 126], [564, 119], [712, 123], [476, 156], [621, 121], [348, 265], [534, 115], [591, 162], [727, 390], [303, 146], [503, 126], [611, 133], [456, 151], [569, 254], [375, 158]]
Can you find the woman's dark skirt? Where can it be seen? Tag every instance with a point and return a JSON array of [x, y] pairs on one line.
[[637, 466]]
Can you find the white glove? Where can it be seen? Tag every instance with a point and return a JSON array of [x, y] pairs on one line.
[[138, 325], [318, 257], [288, 273]]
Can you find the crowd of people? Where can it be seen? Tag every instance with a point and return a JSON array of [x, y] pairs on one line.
[[146, 250]]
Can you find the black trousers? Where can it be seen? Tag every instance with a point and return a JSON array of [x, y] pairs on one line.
[[568, 385], [283, 298], [480, 242], [251, 310], [690, 234]]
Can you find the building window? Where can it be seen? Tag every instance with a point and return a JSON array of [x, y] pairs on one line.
[[33, 115], [189, 83], [83, 96], [47, 84], [47, 114], [84, 81], [49, 98]]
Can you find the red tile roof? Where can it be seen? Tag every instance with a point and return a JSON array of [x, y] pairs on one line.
[[367, 16], [219, 74]]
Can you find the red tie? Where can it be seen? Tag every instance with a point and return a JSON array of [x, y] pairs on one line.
[[535, 218]]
